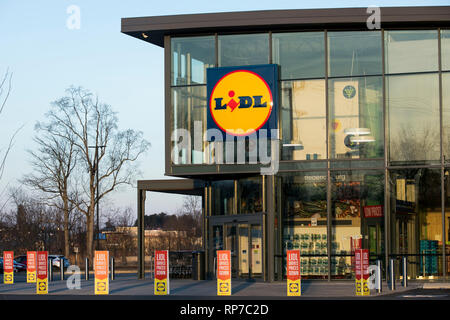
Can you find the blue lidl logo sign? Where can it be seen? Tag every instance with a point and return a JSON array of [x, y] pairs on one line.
[[242, 100]]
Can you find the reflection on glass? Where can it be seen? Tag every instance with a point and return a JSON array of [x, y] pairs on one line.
[[356, 118], [244, 254], [446, 116], [303, 199], [257, 257], [300, 54], [354, 53], [358, 219], [249, 197], [416, 219], [445, 49], [189, 108], [447, 215], [243, 49], [412, 103], [191, 56], [303, 118], [411, 51], [222, 197]]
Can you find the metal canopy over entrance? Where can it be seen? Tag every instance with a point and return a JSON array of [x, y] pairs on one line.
[[177, 186]]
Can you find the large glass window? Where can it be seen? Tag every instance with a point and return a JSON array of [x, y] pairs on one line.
[[249, 195], [300, 55], [189, 111], [413, 116], [446, 116], [411, 51], [356, 118], [303, 119], [416, 220], [357, 199], [191, 56], [303, 199], [445, 49], [243, 49], [354, 53], [447, 217], [222, 197]]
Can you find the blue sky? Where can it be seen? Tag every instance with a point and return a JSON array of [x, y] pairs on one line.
[[46, 58]]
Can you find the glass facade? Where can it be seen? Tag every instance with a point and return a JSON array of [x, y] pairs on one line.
[[364, 119]]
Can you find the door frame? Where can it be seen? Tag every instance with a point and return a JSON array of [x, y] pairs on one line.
[[249, 219]]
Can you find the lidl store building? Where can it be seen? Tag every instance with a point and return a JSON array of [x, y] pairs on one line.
[[360, 155]]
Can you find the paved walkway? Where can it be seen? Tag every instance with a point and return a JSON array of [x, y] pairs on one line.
[[127, 286]]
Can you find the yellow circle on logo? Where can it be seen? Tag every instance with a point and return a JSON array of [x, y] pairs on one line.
[[241, 102]]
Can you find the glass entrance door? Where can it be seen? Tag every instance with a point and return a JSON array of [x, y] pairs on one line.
[[245, 244]]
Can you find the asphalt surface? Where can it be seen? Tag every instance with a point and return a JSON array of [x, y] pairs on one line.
[[128, 287]]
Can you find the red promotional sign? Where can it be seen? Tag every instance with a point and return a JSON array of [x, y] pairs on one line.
[[223, 264], [293, 265], [42, 257], [31, 261], [362, 264], [373, 211], [161, 264], [8, 261]]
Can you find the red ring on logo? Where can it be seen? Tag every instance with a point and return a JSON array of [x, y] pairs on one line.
[[268, 115]]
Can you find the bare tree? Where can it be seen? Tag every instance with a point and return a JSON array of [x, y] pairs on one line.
[[102, 150], [53, 164], [5, 90]]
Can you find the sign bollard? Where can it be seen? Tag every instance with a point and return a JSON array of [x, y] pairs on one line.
[[379, 278], [405, 271], [101, 272], [362, 272], [86, 269], [392, 273], [61, 269], [112, 269], [50, 269], [8, 267], [293, 273], [42, 272], [224, 272], [31, 266], [161, 283]]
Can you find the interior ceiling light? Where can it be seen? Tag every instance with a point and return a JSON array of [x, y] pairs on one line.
[[357, 131], [144, 35], [297, 146]]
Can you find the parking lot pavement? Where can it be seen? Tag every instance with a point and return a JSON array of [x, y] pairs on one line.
[[127, 286]]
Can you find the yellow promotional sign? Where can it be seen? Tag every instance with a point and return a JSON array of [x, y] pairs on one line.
[[224, 273], [241, 102], [8, 267], [101, 268], [293, 273], [31, 266], [42, 275], [161, 285]]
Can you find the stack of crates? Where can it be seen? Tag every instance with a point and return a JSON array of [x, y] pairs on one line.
[[431, 262]]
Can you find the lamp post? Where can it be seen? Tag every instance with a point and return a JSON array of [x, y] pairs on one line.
[[97, 200]]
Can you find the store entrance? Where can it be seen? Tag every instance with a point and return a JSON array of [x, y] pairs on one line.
[[244, 239]]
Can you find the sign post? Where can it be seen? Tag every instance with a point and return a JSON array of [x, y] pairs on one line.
[[8, 267], [162, 285], [42, 273], [293, 273], [101, 272], [224, 273], [31, 266], [362, 272]]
